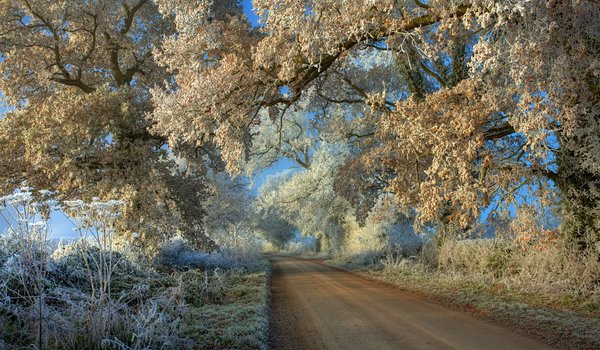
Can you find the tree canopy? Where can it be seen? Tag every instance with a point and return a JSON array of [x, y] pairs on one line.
[[455, 104], [443, 107], [79, 75]]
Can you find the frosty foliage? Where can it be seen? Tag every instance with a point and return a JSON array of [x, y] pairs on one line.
[[78, 75], [178, 255], [87, 294], [67, 311], [554, 273], [231, 220], [308, 201], [451, 106]]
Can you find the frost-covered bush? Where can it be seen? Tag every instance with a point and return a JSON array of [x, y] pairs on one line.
[[386, 233], [239, 246], [8, 246], [70, 264], [88, 295], [64, 299], [26, 260], [178, 255], [299, 246], [549, 267], [155, 325], [68, 316], [525, 254], [246, 255], [478, 256]]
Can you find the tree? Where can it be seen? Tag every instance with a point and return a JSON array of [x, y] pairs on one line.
[[228, 209], [462, 116], [79, 75], [271, 225], [209, 55], [554, 50], [306, 199]]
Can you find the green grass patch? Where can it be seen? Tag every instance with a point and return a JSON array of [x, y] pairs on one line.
[[240, 318]]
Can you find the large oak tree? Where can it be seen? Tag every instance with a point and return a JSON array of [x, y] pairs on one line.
[[78, 74]]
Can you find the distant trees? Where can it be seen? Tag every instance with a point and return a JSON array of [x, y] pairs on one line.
[[307, 200], [229, 212]]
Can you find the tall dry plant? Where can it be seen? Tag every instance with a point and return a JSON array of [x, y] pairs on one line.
[[95, 225], [26, 218]]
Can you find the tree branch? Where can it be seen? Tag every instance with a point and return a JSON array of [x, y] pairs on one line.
[[498, 132], [73, 82], [130, 15], [421, 5], [307, 75], [93, 33], [433, 74]]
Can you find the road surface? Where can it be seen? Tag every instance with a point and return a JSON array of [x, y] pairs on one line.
[[317, 307]]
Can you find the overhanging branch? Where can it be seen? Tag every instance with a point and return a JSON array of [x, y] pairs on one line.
[[306, 76]]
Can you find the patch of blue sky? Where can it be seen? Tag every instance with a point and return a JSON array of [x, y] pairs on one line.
[[285, 91], [249, 12], [524, 195], [283, 165], [59, 226], [4, 107]]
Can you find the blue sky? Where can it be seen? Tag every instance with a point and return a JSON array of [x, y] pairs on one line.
[[248, 11]]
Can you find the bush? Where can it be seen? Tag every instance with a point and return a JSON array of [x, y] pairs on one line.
[[477, 256], [70, 267], [177, 255], [86, 295]]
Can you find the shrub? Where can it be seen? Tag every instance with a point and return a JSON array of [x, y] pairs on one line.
[[477, 256], [70, 265], [177, 255]]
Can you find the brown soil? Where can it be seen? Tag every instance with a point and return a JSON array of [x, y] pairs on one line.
[[318, 307]]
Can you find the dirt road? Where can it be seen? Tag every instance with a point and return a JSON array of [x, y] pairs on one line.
[[317, 307]]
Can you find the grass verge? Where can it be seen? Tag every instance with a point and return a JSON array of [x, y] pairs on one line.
[[235, 317], [193, 309]]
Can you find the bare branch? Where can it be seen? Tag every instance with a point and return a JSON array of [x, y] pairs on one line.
[[305, 76], [73, 82], [130, 15], [433, 74], [499, 132], [421, 5]]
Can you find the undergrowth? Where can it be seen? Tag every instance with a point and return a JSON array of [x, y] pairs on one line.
[[89, 295]]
